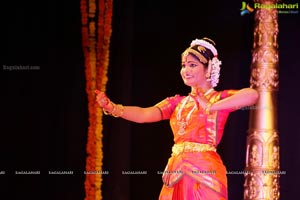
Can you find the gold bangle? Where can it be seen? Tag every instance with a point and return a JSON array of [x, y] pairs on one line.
[[113, 110], [105, 112], [122, 110], [207, 108], [118, 112]]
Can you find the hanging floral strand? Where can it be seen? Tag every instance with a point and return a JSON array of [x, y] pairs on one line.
[[96, 31]]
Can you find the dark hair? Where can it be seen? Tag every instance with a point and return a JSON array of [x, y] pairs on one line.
[[207, 53], [201, 53]]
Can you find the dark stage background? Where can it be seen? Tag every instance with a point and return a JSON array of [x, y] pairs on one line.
[[44, 116]]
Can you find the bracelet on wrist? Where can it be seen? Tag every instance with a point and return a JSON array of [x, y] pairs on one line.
[[117, 111], [105, 112]]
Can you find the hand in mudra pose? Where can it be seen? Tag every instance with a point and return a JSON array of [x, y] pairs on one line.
[[109, 108], [102, 99], [200, 97]]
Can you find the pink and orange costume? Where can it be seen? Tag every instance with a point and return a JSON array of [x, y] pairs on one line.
[[195, 170]]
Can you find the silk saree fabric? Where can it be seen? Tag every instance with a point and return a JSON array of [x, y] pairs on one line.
[[195, 175]]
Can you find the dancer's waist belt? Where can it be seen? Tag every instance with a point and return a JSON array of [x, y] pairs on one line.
[[191, 147]]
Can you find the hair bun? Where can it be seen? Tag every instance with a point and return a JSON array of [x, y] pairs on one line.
[[207, 43], [209, 40]]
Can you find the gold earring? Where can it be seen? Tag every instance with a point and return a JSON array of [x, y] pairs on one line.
[[207, 76]]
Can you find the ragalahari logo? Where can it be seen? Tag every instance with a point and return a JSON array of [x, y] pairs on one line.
[[282, 8], [246, 9]]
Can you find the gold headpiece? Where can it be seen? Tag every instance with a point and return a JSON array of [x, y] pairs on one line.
[[196, 53]]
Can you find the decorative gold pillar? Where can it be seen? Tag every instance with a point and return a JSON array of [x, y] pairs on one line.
[[262, 156]]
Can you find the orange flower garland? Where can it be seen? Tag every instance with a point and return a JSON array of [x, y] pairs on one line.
[[96, 32]]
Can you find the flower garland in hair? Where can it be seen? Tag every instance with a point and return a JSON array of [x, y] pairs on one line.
[[215, 71], [214, 63]]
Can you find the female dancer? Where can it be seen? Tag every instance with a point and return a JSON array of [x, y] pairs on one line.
[[195, 170]]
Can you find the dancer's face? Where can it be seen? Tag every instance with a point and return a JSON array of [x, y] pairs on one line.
[[192, 71]]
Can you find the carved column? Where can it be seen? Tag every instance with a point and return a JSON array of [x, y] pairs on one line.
[[262, 156]]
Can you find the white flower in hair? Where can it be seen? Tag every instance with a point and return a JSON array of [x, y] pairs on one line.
[[205, 44], [215, 71]]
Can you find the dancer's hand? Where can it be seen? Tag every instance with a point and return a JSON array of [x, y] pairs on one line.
[[103, 101], [201, 100]]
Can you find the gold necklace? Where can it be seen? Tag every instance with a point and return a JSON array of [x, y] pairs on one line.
[[181, 122]]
